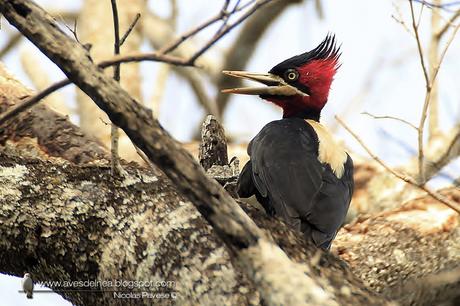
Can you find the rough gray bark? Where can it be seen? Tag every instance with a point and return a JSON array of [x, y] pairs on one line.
[[284, 282], [401, 253], [70, 230], [57, 222]]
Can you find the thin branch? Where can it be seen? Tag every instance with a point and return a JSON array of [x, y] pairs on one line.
[[444, 6], [116, 45], [223, 14], [31, 101], [244, 46], [227, 29], [38, 76], [131, 27], [176, 43], [392, 118], [226, 16], [449, 203], [419, 44], [13, 40], [448, 24]]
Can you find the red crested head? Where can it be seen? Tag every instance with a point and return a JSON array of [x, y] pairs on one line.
[[299, 85], [311, 73]]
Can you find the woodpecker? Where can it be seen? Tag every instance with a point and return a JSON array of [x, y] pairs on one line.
[[297, 171]]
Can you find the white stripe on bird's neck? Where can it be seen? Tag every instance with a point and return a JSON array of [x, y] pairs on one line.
[[329, 151]]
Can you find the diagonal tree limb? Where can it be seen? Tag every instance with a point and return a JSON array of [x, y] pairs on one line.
[[279, 280]]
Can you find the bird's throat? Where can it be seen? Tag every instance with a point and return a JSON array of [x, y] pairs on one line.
[[303, 113]]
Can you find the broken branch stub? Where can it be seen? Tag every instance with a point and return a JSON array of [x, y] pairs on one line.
[[213, 146]]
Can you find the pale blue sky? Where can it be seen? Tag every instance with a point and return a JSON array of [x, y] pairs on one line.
[[369, 35]]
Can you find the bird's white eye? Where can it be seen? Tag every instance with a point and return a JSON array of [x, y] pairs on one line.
[[291, 75]]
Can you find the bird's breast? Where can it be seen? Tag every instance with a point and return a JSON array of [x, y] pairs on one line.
[[329, 151]]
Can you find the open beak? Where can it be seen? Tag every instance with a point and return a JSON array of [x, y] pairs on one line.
[[275, 85]]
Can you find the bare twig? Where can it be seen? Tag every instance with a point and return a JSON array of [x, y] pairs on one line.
[[224, 15], [435, 4], [73, 30], [448, 24], [419, 44], [131, 27], [392, 118], [227, 29], [38, 76], [176, 43], [11, 43], [449, 203], [31, 101], [421, 178]]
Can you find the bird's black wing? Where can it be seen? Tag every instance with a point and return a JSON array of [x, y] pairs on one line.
[[331, 206], [285, 168]]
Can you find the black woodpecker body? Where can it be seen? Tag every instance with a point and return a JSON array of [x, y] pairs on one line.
[[296, 170]]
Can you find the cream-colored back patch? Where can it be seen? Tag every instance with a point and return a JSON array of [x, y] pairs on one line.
[[330, 152]]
